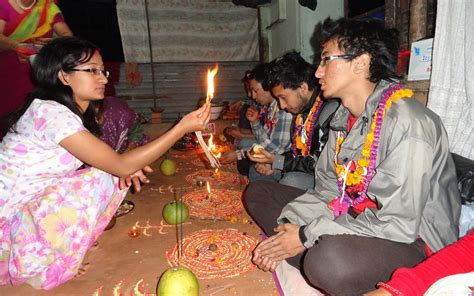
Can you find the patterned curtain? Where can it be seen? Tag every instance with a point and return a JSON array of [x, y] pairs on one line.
[[188, 31], [452, 83]]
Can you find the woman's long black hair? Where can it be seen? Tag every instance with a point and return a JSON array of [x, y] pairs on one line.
[[64, 53]]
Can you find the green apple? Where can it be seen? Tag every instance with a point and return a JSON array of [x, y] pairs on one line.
[[175, 212], [168, 167], [178, 281]]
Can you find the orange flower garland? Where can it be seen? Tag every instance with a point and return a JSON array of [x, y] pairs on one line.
[[355, 176], [305, 129]]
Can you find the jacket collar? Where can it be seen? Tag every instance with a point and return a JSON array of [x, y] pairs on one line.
[[339, 121], [306, 108]]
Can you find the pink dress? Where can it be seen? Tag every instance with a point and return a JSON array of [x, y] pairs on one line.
[[50, 212], [15, 80]]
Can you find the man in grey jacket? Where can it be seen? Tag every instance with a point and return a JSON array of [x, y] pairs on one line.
[[385, 194]]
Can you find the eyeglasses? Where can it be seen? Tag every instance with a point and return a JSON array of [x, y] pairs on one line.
[[326, 60], [95, 72]]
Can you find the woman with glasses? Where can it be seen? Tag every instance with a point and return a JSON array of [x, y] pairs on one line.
[[51, 212], [24, 26]]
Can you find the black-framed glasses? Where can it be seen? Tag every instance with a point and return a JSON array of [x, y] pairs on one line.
[[93, 71], [326, 60]]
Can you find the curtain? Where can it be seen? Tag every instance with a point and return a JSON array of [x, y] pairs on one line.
[[188, 31], [452, 82]]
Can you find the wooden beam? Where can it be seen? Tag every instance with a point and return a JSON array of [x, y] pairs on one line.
[[418, 19]]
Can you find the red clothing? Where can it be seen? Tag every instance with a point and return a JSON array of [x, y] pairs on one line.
[[350, 122], [454, 259], [15, 81]]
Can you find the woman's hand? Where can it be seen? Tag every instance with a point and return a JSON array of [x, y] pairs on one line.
[[136, 179], [252, 114], [196, 120]]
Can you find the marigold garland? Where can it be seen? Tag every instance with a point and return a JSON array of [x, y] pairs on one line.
[[354, 177], [306, 127]]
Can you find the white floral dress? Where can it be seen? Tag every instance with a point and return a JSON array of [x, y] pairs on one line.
[[50, 212]]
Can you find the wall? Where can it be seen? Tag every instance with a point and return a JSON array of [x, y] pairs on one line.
[[286, 25], [179, 86]]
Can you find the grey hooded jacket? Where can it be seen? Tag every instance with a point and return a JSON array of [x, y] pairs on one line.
[[414, 185]]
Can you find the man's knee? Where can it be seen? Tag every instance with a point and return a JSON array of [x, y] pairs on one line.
[[255, 195], [326, 267]]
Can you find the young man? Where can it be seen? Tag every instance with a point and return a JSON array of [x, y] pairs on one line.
[[270, 124], [242, 133], [292, 81], [385, 193]]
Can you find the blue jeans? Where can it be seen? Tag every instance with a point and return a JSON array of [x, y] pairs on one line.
[[298, 179]]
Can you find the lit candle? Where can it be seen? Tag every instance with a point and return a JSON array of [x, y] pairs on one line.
[[208, 186], [134, 232]]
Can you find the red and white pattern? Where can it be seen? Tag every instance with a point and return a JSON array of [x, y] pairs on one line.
[[220, 203], [219, 178], [214, 254]]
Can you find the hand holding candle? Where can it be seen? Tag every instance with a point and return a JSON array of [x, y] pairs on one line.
[[210, 94]]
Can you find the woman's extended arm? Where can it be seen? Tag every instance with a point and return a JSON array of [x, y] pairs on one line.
[[96, 153]]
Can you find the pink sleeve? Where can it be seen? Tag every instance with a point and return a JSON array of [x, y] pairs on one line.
[[3, 11], [454, 259]]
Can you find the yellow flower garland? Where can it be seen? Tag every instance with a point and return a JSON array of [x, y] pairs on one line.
[[355, 177]]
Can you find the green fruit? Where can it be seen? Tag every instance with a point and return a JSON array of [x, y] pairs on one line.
[[168, 167], [175, 212], [178, 281]]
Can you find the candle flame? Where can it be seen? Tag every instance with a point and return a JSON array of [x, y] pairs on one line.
[[138, 289], [210, 144], [98, 292], [210, 83], [208, 187]]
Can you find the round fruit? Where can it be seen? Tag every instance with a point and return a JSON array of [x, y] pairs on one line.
[[168, 167], [175, 212], [178, 281]]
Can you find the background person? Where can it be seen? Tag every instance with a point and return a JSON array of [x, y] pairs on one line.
[[292, 81], [22, 24]]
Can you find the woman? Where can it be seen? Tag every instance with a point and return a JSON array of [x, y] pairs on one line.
[[22, 24], [50, 212]]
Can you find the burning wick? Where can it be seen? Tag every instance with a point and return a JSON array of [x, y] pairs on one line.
[[134, 232], [208, 195], [200, 183], [216, 173]]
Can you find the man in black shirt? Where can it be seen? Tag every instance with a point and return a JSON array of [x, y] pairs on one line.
[[292, 81]]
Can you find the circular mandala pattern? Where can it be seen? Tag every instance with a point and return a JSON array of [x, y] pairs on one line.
[[215, 254], [215, 179], [204, 163], [220, 203]]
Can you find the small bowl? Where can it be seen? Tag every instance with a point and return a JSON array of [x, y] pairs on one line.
[[125, 207]]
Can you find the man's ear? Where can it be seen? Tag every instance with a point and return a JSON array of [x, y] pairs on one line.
[[362, 63], [63, 77], [304, 88]]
